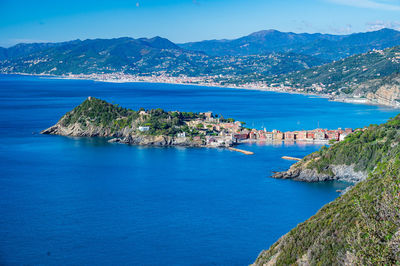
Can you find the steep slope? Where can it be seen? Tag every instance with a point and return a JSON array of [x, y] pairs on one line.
[[362, 227], [373, 75], [351, 159], [323, 46]]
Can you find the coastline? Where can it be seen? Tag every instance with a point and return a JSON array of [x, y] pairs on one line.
[[144, 79]]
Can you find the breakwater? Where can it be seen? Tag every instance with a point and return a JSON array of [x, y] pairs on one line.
[[242, 151]]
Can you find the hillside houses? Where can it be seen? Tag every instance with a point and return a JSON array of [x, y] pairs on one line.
[[304, 135], [217, 131]]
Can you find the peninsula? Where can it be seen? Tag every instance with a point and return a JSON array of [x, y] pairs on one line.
[[155, 127]]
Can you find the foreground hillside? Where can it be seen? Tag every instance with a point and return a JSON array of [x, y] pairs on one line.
[[362, 227], [351, 159]]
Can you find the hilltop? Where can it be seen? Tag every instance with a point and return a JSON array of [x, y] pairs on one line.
[[361, 227]]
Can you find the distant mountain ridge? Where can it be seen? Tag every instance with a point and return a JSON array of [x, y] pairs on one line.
[[324, 46], [160, 56], [155, 56]]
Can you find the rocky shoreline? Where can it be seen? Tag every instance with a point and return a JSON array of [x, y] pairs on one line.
[[300, 172], [124, 137]]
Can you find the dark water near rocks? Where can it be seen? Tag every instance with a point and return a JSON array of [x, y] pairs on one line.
[[67, 201]]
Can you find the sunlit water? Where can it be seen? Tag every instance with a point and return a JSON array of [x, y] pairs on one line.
[[71, 201]]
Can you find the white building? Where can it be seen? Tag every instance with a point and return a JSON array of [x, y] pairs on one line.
[[143, 129], [181, 135]]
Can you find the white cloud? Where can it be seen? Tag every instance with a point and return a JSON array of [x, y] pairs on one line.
[[391, 5], [379, 24]]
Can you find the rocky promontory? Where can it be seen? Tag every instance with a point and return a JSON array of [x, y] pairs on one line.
[[349, 160], [300, 172], [155, 127]]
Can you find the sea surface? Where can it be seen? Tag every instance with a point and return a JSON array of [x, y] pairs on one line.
[[83, 201]]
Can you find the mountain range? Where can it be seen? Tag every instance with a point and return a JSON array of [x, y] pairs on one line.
[[264, 53], [155, 56], [324, 46]]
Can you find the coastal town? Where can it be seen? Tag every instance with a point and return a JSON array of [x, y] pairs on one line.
[[231, 132]]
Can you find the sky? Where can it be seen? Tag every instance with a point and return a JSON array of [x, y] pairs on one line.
[[187, 20]]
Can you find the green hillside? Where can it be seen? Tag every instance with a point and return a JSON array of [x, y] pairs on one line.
[[362, 227], [363, 149], [358, 74], [156, 56]]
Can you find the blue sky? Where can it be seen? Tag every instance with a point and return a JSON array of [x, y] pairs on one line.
[[187, 20]]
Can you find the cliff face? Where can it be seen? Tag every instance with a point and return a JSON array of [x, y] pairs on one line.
[[386, 95], [361, 227], [342, 172]]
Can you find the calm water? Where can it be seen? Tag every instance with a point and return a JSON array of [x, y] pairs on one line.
[[87, 202]]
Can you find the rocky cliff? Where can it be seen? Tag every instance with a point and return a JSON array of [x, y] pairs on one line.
[[342, 172]]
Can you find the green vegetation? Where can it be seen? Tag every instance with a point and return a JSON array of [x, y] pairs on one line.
[[359, 74], [364, 149], [98, 113], [362, 227]]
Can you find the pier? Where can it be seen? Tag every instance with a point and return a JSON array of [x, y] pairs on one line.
[[291, 158], [242, 151]]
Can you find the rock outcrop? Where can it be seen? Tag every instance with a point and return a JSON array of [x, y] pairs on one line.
[[300, 172], [386, 95]]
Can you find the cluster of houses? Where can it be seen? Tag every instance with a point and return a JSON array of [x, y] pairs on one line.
[[217, 132], [234, 132], [307, 135]]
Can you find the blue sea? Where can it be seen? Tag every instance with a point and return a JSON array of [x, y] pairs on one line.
[[83, 201]]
